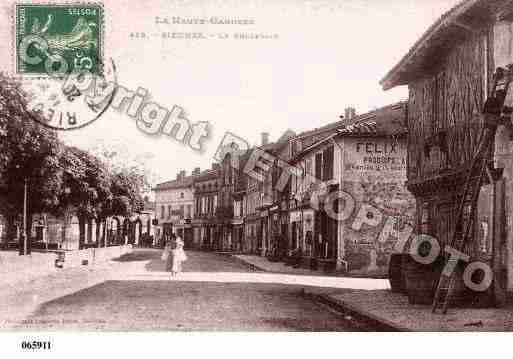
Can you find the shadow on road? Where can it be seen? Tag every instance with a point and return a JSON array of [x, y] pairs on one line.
[[197, 261], [140, 255], [182, 305]]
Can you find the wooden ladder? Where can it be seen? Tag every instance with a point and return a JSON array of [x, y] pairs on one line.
[[480, 166]]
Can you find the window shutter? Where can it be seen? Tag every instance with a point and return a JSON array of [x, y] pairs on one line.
[[318, 166], [328, 164]]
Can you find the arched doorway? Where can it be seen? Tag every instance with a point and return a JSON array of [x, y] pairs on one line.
[[115, 231], [137, 224], [126, 231]]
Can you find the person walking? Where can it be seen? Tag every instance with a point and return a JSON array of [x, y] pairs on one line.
[[167, 254], [178, 255]]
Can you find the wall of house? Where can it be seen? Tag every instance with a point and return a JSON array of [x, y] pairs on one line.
[[444, 109], [374, 175], [503, 158], [173, 198]]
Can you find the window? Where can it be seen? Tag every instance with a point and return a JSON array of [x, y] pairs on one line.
[[327, 164], [318, 166], [168, 212], [162, 212], [181, 195], [296, 147]]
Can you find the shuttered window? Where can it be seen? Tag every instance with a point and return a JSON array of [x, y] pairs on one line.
[[327, 164], [318, 166]]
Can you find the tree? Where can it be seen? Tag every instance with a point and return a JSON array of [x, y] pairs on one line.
[[86, 188], [126, 189], [28, 152], [61, 179], [132, 177], [120, 159]]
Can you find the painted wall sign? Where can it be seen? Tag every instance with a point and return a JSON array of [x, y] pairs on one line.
[[295, 216], [365, 157]]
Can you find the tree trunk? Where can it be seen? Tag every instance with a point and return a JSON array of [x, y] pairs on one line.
[[98, 238], [104, 233], [28, 232], [82, 234], [89, 231]]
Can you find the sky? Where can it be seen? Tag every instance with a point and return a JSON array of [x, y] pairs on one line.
[[328, 55]]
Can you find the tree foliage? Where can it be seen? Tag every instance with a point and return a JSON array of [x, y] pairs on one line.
[[28, 152], [59, 177]]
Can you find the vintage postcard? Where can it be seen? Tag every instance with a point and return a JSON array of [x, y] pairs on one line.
[[255, 166]]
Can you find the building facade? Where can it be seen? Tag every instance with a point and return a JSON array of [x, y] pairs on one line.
[[206, 187], [174, 205], [349, 207], [448, 86], [240, 245]]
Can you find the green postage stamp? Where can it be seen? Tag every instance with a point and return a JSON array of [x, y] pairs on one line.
[[57, 39]]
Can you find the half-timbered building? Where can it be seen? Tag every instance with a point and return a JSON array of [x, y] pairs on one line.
[[449, 73]]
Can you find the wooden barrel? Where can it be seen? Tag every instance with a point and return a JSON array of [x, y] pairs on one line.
[[421, 280], [395, 273]]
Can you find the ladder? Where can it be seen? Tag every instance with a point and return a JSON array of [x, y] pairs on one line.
[[493, 113]]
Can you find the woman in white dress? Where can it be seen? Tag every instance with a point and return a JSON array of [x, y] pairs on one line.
[[179, 256]]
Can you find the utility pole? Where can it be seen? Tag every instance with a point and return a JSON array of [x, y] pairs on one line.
[[25, 217]]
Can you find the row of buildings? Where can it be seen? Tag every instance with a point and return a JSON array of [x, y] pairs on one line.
[[281, 199], [67, 232], [402, 169]]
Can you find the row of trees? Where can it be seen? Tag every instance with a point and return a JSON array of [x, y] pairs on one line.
[[61, 180]]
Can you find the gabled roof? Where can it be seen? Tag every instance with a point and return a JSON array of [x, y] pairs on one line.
[[331, 128], [176, 184], [206, 175], [455, 25], [385, 121]]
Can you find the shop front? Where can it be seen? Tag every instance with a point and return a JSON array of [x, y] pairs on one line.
[[208, 236], [277, 233], [183, 229], [253, 235], [197, 226], [238, 235], [265, 245], [301, 218]]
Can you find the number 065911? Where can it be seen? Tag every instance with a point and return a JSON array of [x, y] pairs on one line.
[[36, 345]]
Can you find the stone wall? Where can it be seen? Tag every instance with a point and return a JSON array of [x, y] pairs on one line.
[[94, 255], [374, 175]]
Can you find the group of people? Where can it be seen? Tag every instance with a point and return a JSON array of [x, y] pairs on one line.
[[174, 254]]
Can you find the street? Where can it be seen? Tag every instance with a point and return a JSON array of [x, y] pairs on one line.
[[215, 292]]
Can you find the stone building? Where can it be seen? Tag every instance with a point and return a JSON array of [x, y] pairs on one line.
[[349, 206], [206, 187], [174, 206], [240, 245], [259, 195], [449, 73]]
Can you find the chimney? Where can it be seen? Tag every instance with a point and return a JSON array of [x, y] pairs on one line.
[[180, 176], [349, 113], [265, 138], [196, 171]]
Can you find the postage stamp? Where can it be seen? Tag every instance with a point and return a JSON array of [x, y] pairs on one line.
[[58, 39]]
